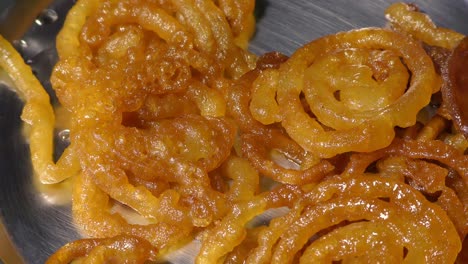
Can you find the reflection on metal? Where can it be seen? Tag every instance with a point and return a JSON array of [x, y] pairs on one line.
[[21, 15]]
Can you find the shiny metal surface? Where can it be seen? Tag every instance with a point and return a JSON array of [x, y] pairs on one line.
[[35, 222], [20, 13]]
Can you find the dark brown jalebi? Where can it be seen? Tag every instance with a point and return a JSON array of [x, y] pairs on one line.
[[343, 152], [456, 85]]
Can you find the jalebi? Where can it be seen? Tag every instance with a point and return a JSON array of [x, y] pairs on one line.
[[353, 148]]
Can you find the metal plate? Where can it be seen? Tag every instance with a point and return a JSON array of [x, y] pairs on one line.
[[38, 227]]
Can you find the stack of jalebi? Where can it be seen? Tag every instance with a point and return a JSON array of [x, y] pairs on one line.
[[357, 141]]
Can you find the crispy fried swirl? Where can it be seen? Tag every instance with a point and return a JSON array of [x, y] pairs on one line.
[[342, 152], [355, 91]]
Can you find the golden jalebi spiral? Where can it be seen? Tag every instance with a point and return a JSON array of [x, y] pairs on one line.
[[345, 151], [447, 47], [412, 165], [360, 117], [340, 219], [137, 147], [269, 148]]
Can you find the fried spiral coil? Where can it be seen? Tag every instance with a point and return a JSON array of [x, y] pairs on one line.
[[259, 142], [140, 56], [357, 127], [387, 210], [363, 209], [408, 160], [231, 230], [91, 212], [179, 133]]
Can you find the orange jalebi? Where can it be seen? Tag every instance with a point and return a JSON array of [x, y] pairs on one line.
[[407, 19], [131, 248], [157, 53], [345, 151], [342, 121]]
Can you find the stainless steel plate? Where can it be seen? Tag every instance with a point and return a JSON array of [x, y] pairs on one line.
[[38, 227]]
